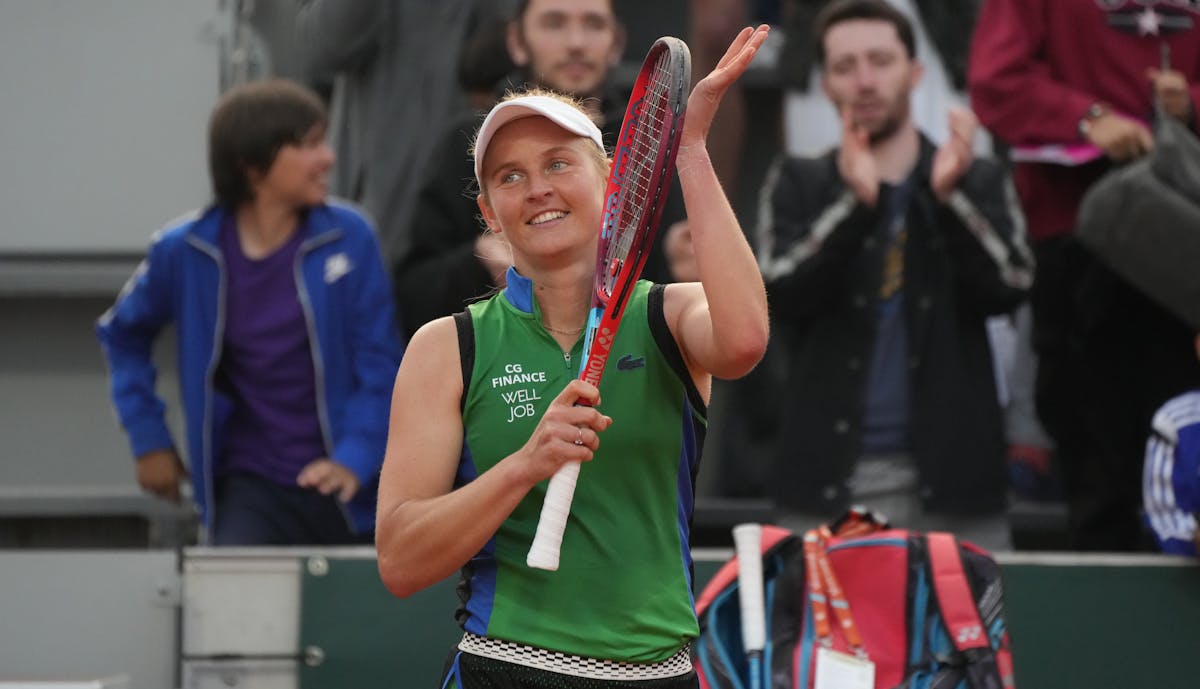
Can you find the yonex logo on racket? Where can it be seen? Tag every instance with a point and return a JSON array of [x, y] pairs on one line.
[[599, 357]]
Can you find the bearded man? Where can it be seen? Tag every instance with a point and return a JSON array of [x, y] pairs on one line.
[[883, 259]]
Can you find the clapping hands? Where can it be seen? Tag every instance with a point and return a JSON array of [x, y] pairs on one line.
[[954, 157], [860, 169]]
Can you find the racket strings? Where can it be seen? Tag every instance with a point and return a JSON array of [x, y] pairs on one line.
[[645, 149]]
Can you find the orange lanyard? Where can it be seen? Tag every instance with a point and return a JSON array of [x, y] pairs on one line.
[[824, 590]]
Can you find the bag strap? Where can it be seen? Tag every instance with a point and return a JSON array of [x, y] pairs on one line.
[[985, 668], [953, 594]]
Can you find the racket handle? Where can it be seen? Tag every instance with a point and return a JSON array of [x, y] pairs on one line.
[[754, 667], [543, 554], [747, 542]]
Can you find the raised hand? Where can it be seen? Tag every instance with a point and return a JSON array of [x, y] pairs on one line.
[[706, 96], [855, 162], [954, 156]]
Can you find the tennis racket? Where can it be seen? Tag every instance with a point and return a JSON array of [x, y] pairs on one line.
[[643, 166], [747, 543]]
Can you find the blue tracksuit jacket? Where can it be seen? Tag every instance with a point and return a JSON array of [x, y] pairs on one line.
[[347, 303]]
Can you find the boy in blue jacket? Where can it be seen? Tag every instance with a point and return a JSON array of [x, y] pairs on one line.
[[287, 345]]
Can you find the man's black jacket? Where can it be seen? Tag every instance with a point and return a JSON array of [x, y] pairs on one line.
[[821, 252]]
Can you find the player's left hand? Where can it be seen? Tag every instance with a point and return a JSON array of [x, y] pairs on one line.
[[706, 96], [328, 477], [954, 156]]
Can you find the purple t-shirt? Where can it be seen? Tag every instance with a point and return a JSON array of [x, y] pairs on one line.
[[266, 365]]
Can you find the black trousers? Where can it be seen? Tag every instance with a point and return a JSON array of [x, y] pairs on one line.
[[252, 510], [1108, 357]]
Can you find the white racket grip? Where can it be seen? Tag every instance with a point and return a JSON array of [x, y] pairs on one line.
[[547, 541], [747, 543]]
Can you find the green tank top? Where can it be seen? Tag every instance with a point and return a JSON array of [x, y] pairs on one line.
[[623, 590]]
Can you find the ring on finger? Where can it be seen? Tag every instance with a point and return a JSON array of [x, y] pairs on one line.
[[579, 440]]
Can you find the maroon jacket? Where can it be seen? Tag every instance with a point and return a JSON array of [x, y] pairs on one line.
[[1037, 65]]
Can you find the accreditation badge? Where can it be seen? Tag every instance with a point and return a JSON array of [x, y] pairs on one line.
[[837, 670]]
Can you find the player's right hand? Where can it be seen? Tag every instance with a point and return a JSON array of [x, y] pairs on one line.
[[159, 472], [569, 431]]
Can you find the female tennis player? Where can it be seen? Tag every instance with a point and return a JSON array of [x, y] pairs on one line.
[[487, 406]]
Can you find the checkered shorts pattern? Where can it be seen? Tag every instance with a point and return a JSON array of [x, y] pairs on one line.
[[573, 665]]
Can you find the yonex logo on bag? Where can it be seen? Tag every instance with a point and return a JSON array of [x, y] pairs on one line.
[[970, 633]]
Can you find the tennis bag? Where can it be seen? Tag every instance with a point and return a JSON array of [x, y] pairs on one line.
[[927, 608]]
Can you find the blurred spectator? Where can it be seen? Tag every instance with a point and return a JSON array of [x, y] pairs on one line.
[[811, 127], [393, 86], [941, 29], [1171, 476], [883, 260], [484, 63], [1070, 85], [287, 344], [570, 46]]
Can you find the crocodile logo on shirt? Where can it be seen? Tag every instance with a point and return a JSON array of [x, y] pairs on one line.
[[630, 362]]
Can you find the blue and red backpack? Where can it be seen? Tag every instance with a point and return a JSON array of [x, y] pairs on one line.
[[928, 608]]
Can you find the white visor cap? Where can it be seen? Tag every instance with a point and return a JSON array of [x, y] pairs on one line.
[[563, 114]]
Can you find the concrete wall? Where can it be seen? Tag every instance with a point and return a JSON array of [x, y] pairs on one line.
[[90, 615], [104, 115]]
